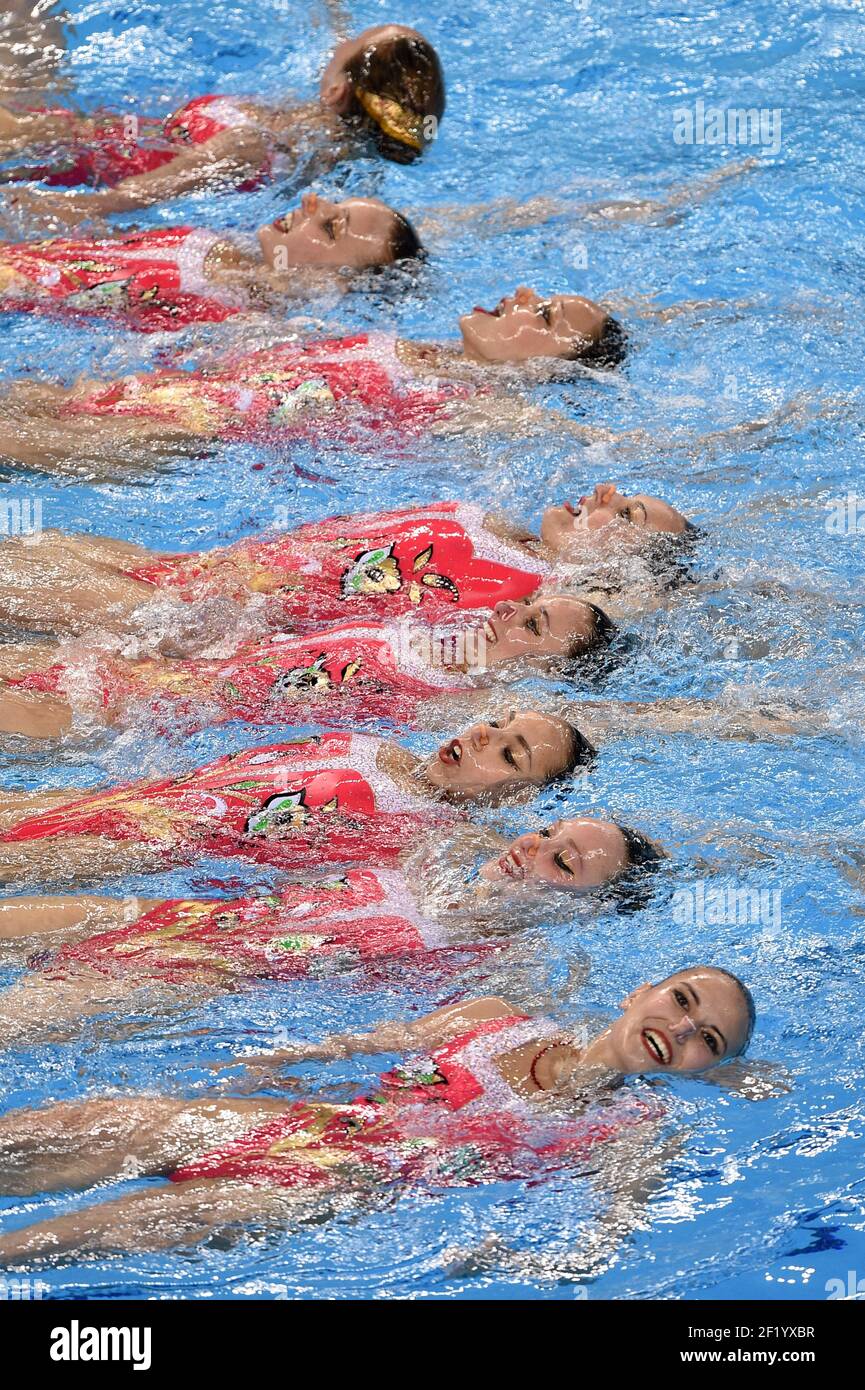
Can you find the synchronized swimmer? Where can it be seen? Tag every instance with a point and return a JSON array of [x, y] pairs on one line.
[[368, 381], [386, 84], [170, 277], [339, 622], [432, 562]]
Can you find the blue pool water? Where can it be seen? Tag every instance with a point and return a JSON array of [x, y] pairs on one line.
[[573, 101]]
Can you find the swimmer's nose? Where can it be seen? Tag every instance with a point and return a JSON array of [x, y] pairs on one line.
[[524, 296], [504, 608], [309, 203], [684, 1029], [605, 492], [480, 735]]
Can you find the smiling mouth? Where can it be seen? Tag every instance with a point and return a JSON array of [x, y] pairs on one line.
[[451, 752], [490, 633], [284, 224], [657, 1046]]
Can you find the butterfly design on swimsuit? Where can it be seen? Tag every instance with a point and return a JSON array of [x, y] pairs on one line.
[[285, 811], [313, 677], [377, 571]]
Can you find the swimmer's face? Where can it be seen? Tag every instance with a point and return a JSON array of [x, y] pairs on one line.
[[607, 519], [516, 754], [336, 87], [356, 232], [687, 1023], [573, 855], [543, 625], [524, 325]]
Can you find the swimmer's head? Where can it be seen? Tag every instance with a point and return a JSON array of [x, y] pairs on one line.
[[508, 757], [525, 325], [389, 80], [545, 628], [608, 520], [573, 855], [690, 1022], [356, 232]]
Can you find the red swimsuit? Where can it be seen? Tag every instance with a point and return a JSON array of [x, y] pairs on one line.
[[427, 560], [277, 392], [319, 800], [152, 281], [362, 671], [123, 146], [361, 920], [449, 1119]]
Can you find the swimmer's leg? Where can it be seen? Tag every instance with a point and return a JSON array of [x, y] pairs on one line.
[[25, 658], [41, 1008], [73, 918], [16, 807], [34, 714], [58, 858], [45, 587], [181, 1214], [107, 550], [74, 1144], [100, 447]]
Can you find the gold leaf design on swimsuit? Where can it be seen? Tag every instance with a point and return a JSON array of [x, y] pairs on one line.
[[374, 572], [440, 581], [430, 580], [180, 401]]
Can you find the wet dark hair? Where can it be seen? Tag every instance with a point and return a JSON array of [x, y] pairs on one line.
[[641, 850], [604, 629], [609, 350], [668, 555], [580, 754], [404, 243], [405, 69], [633, 888]]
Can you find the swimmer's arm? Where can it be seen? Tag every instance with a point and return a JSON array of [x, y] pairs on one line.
[[620, 718], [229, 157], [433, 1030], [628, 1171], [512, 415], [687, 195], [510, 214]]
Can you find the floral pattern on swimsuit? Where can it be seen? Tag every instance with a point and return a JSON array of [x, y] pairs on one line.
[[314, 801], [364, 921], [338, 385], [428, 561], [151, 281], [447, 1120], [361, 672]]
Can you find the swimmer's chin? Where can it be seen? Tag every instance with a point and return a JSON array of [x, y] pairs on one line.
[[472, 349]]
